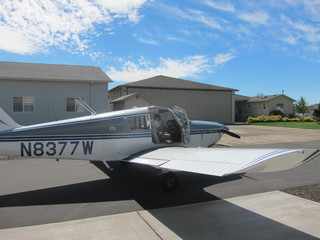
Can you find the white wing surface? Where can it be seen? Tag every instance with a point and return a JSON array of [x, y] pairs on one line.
[[226, 161]]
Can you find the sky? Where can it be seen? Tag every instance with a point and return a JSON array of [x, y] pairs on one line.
[[257, 47]]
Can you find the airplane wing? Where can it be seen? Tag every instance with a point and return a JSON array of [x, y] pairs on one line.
[[225, 161]]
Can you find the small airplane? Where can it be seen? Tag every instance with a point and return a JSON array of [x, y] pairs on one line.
[[161, 137]]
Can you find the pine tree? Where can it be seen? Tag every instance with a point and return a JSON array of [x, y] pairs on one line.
[[302, 106]]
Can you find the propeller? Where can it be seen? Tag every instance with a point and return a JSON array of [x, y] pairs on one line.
[[231, 134]]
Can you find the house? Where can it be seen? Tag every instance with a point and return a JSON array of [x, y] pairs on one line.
[[34, 93], [311, 109], [262, 105], [201, 101]]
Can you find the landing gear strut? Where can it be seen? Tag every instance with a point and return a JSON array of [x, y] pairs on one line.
[[169, 182]]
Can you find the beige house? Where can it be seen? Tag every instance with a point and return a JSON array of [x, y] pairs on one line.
[[201, 101], [312, 108], [256, 106]]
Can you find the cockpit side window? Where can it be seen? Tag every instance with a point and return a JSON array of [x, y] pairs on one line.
[[138, 123]]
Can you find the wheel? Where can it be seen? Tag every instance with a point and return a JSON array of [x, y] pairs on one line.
[[124, 163], [169, 182]]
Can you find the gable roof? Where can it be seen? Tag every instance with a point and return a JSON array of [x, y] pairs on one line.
[[241, 98], [267, 98], [313, 106], [125, 97], [174, 83], [51, 72]]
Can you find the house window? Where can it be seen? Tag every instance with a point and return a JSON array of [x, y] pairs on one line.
[[280, 106], [249, 105], [74, 106], [264, 106], [23, 104]]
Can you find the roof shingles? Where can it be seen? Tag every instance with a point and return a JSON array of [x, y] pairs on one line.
[[51, 72], [174, 83]]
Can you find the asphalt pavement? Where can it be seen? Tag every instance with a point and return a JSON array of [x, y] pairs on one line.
[[41, 195]]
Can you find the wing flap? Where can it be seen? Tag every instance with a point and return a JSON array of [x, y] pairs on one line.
[[209, 168], [226, 161], [148, 161]]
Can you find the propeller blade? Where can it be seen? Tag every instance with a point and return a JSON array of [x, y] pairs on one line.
[[231, 134]]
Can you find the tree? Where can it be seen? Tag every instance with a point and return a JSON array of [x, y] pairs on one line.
[[302, 106], [316, 113]]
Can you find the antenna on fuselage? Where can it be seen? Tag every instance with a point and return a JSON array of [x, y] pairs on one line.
[[85, 105]]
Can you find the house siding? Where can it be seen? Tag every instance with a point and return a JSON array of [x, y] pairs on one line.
[[247, 109], [50, 98]]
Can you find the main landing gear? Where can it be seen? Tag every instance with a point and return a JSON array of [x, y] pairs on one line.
[[169, 181]]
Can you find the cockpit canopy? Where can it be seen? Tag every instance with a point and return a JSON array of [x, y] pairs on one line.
[[169, 125]]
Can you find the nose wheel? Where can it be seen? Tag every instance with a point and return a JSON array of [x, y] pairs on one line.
[[169, 182]]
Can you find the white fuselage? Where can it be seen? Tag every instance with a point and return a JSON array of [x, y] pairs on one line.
[[104, 137]]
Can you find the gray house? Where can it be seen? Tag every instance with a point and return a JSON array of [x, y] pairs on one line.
[[33, 93], [262, 105], [201, 101]]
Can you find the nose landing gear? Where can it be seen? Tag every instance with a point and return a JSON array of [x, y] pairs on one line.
[[169, 181]]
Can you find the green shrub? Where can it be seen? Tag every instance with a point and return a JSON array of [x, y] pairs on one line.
[[278, 118], [263, 118], [275, 118], [252, 120], [294, 120], [309, 119]]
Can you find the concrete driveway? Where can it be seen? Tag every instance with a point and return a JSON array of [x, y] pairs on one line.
[[275, 137], [77, 200]]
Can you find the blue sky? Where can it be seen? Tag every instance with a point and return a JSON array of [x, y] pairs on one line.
[[257, 47]]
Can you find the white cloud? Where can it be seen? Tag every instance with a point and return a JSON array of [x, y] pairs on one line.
[[12, 41], [190, 66], [312, 7], [202, 17], [147, 41], [290, 39], [123, 8], [310, 33], [131, 71], [194, 15], [223, 58], [302, 31], [257, 18], [223, 6], [31, 26]]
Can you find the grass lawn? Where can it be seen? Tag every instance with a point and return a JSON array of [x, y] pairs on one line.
[[307, 125]]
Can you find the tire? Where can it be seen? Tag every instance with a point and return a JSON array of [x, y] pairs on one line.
[[169, 182]]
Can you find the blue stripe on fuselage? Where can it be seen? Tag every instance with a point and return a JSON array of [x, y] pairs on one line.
[[90, 136], [74, 137]]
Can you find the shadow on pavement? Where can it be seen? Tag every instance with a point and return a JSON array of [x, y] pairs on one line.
[[131, 182], [209, 219]]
